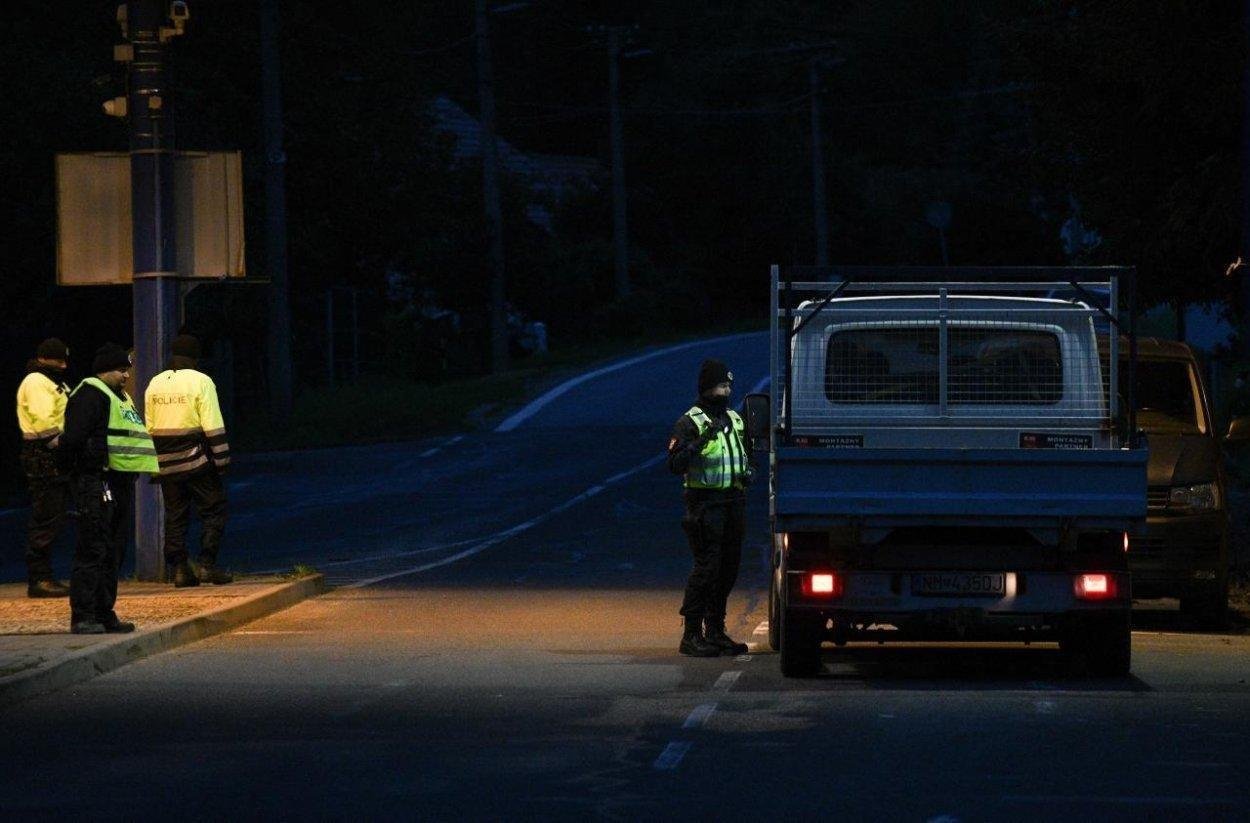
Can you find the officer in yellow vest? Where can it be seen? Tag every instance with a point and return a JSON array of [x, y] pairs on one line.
[[41, 416], [185, 422], [710, 448], [105, 446]]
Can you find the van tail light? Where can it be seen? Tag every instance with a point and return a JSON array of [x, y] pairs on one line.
[[1095, 586], [822, 585]]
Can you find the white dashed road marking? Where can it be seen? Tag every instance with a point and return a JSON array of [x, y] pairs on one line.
[[670, 758], [726, 681], [699, 716]]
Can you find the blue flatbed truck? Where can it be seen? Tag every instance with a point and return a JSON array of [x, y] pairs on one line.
[[951, 459]]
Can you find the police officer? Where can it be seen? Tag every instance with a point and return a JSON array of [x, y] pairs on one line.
[[41, 401], [185, 422], [105, 446], [710, 448]]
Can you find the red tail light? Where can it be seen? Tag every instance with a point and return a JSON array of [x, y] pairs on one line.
[[822, 584], [1095, 586]]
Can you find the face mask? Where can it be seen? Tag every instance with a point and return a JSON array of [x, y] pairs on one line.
[[714, 405]]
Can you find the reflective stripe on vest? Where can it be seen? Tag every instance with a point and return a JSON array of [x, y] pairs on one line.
[[723, 462], [130, 447]]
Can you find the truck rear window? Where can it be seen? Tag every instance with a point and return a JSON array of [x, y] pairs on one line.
[[987, 366]]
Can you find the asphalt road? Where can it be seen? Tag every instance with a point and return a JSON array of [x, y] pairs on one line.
[[502, 645]]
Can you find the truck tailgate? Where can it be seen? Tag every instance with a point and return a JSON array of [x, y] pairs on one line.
[[1103, 486]]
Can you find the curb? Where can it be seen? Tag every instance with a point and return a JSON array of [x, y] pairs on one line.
[[105, 657]]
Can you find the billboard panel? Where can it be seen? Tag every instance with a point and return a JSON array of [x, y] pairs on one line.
[[94, 235]]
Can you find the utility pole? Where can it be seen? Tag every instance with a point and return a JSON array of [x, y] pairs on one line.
[[1241, 271], [820, 216], [490, 192], [620, 228], [280, 380], [149, 107]]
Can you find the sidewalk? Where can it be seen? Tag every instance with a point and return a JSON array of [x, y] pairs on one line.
[[38, 654]]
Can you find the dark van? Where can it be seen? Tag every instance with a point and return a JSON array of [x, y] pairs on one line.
[[1184, 553]]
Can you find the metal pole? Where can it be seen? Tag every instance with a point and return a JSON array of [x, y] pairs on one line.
[[330, 336], [620, 231], [152, 208], [280, 379], [490, 192], [819, 215]]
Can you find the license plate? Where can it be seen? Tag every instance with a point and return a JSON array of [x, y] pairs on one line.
[[958, 583]]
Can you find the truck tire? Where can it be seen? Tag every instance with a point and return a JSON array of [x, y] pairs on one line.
[[800, 645], [1209, 609], [1099, 645]]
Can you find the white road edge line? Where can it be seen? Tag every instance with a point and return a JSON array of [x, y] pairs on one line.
[[535, 405], [499, 537], [699, 715], [726, 681], [670, 758], [430, 452]]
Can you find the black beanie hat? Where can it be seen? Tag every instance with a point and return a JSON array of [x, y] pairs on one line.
[[186, 345], [110, 357], [712, 373], [52, 349]]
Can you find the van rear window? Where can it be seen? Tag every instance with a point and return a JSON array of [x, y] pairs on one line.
[[987, 366]]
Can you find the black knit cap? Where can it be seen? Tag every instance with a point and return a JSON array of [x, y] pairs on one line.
[[52, 349], [712, 373], [186, 345], [110, 357]]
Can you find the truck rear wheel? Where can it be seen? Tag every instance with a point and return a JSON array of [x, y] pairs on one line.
[[800, 645], [1100, 645]]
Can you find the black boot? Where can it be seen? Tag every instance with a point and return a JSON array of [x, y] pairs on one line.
[[692, 642], [716, 636], [209, 573], [184, 576], [47, 588]]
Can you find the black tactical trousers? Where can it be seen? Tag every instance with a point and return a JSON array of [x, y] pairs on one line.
[[49, 501], [204, 490], [715, 528], [104, 504]]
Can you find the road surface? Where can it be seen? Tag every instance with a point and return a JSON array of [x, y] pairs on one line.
[[502, 645]]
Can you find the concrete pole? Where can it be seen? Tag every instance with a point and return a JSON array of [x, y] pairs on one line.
[[819, 215], [280, 379], [490, 193], [152, 206], [620, 227]]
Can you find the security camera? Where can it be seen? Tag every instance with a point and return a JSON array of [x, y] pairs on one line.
[[178, 15]]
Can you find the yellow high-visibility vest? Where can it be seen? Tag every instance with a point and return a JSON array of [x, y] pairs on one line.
[[722, 464], [41, 406], [184, 419]]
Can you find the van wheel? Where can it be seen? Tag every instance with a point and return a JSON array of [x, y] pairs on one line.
[[1099, 645], [1208, 609], [800, 645]]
